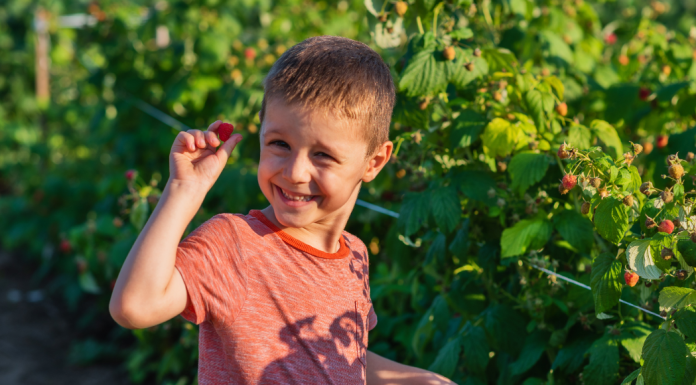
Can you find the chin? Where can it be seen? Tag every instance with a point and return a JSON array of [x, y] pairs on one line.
[[296, 220]]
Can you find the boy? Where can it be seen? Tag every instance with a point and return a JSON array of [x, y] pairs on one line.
[[282, 294]]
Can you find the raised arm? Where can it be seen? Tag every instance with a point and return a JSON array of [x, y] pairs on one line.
[[149, 290], [383, 371]]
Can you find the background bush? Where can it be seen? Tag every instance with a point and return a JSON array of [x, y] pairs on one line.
[[475, 176]]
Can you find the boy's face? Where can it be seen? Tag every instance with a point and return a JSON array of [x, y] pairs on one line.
[[312, 164]]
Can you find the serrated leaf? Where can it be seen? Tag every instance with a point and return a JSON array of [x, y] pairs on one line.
[[666, 93], [664, 355], [534, 346], [608, 135], [576, 229], [686, 322], [460, 244], [579, 136], [557, 85], [436, 252], [606, 287], [466, 129], [611, 219], [423, 75], [499, 58], [475, 348], [139, 213], [446, 209], [604, 362], [535, 105], [526, 169], [414, 212], [460, 76], [571, 356], [632, 337], [690, 373], [631, 377], [527, 234], [88, 283], [676, 298], [500, 137], [447, 358], [504, 329], [640, 259]]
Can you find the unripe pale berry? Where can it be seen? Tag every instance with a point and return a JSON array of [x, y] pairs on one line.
[[676, 171], [646, 188], [449, 53], [562, 109], [667, 196], [628, 200], [585, 209], [400, 8], [666, 254]]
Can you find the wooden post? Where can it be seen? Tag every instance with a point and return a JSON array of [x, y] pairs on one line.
[[43, 95]]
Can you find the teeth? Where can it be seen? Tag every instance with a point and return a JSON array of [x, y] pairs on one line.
[[303, 198]]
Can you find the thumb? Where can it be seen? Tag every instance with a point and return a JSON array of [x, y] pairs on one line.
[[223, 153]]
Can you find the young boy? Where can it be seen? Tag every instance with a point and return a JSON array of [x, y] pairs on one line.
[[281, 295]]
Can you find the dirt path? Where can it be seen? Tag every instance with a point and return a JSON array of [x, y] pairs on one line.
[[35, 337]]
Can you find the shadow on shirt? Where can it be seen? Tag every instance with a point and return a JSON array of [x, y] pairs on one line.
[[338, 358]]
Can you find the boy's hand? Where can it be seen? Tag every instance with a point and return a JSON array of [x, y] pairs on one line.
[[195, 159]]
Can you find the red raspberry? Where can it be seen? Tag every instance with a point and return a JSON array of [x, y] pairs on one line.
[[224, 131], [610, 39], [666, 226], [643, 93], [662, 141], [250, 53], [65, 246], [569, 181], [130, 174], [631, 278]]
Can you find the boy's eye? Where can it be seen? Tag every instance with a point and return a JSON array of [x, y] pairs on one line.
[[323, 155], [279, 143]]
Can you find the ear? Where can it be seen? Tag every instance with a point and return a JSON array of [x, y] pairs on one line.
[[377, 162]]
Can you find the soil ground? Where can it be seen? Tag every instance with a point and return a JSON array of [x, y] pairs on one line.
[[35, 336]]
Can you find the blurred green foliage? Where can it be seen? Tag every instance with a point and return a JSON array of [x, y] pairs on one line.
[[436, 280]]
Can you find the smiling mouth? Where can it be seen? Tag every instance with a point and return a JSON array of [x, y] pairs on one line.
[[296, 198]]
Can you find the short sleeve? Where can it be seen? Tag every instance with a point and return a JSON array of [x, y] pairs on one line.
[[213, 270]]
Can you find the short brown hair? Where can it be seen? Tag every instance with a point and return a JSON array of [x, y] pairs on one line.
[[338, 75]]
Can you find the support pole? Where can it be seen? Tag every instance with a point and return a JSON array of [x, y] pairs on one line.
[[43, 95]]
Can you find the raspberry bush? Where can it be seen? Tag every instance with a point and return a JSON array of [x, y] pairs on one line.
[[528, 134]]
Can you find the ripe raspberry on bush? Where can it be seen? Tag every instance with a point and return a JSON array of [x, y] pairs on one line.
[[65, 246], [610, 39], [647, 148], [563, 151], [666, 226], [569, 181], [631, 278], [662, 141], [250, 53], [449, 53], [225, 131], [130, 174], [562, 109]]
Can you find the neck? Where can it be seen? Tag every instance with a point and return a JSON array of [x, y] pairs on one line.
[[323, 234]]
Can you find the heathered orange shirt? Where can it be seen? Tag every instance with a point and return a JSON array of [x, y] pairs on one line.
[[272, 309]]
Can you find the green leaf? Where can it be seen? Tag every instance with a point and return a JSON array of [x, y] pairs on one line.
[[676, 298], [606, 287], [690, 375], [557, 48], [633, 335], [688, 251], [576, 229], [476, 348], [640, 259], [666, 93], [571, 356], [557, 85], [504, 329], [139, 213], [579, 136], [608, 135], [446, 208], [414, 212], [462, 33], [499, 58], [500, 137], [436, 252], [686, 322], [423, 75], [535, 105], [628, 380], [466, 129], [604, 362], [534, 346], [625, 178], [447, 358], [88, 283], [611, 219], [527, 234], [460, 244], [526, 169], [664, 355], [457, 73]]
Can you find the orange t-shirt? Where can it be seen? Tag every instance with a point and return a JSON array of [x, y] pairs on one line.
[[272, 309]]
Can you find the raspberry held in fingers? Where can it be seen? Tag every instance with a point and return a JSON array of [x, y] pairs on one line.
[[224, 131]]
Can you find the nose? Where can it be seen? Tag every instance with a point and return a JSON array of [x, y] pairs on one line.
[[297, 170]]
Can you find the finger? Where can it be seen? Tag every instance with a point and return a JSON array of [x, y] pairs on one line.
[[187, 140], [226, 149], [211, 138], [199, 138], [214, 126]]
